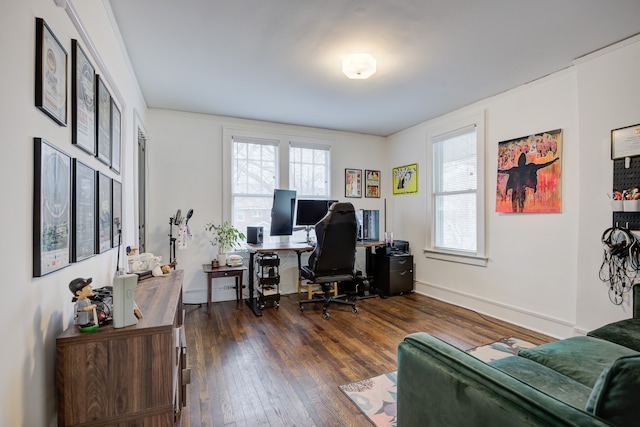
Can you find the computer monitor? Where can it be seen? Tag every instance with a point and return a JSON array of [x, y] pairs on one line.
[[310, 211], [284, 203]]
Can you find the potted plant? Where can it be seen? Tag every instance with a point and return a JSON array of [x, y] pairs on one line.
[[226, 237]]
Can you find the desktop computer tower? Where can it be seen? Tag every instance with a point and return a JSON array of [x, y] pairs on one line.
[[368, 224]]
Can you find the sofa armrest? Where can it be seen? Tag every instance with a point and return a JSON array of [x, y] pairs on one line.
[[439, 384]]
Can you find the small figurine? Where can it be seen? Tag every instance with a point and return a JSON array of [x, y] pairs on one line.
[[82, 290], [155, 266]]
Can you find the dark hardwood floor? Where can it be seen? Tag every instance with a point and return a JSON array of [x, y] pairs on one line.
[[284, 368]]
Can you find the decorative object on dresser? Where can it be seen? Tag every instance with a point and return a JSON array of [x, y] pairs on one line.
[[132, 375]]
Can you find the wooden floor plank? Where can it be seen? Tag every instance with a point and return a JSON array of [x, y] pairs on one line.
[[284, 368]]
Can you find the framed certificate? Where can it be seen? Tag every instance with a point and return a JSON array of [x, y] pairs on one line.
[[51, 74], [103, 122], [84, 211], [625, 142], [83, 83], [103, 213], [51, 208]]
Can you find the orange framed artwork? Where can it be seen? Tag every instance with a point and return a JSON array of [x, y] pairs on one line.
[[529, 172]]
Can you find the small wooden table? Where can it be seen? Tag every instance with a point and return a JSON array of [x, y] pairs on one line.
[[223, 271]]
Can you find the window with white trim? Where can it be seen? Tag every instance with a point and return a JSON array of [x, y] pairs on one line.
[[254, 176], [457, 194], [309, 169]]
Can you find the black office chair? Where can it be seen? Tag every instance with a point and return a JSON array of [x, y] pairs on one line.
[[334, 257]]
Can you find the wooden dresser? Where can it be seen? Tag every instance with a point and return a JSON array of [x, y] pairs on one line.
[[129, 376]]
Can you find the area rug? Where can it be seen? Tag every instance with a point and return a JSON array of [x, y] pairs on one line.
[[376, 396]]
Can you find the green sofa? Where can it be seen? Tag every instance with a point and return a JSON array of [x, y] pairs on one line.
[[578, 381]]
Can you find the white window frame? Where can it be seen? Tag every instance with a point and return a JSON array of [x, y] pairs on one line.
[[327, 169], [479, 257], [283, 140]]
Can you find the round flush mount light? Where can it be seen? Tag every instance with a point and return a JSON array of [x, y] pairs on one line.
[[359, 66]]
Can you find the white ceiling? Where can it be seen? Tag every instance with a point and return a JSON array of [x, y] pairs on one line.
[[279, 60]]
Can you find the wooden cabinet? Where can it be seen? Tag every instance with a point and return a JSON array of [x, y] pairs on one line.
[[393, 274], [128, 376]]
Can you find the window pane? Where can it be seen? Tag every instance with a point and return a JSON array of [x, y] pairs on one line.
[[309, 170], [454, 190], [456, 222], [253, 176], [458, 163]]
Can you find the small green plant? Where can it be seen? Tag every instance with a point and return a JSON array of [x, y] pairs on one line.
[[225, 236]]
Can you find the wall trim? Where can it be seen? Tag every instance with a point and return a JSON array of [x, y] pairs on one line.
[[548, 325]]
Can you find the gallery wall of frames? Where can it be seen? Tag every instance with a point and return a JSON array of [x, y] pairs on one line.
[[77, 209]]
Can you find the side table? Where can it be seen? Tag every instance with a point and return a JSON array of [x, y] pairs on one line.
[[219, 272]]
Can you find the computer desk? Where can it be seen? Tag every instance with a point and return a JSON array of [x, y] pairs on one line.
[[298, 248]]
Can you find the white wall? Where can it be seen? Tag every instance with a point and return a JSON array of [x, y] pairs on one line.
[[543, 268], [186, 166], [608, 98], [34, 311]]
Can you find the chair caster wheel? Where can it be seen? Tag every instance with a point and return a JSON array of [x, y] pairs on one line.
[[277, 306], [301, 308], [325, 315], [355, 310]]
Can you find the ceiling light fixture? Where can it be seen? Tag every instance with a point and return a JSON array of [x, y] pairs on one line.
[[359, 66]]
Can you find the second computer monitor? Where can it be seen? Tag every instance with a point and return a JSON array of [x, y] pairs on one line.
[[310, 211]]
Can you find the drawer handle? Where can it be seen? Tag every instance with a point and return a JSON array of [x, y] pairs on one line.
[[186, 376]]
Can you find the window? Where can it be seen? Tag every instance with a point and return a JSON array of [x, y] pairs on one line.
[[457, 194], [309, 170], [254, 176]]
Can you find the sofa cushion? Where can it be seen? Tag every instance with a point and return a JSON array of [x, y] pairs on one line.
[[625, 332], [580, 358], [614, 396], [545, 379]]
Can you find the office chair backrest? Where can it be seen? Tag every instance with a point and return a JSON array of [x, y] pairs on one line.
[[336, 236]]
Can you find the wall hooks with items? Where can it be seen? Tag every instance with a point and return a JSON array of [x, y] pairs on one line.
[[620, 262], [625, 153]]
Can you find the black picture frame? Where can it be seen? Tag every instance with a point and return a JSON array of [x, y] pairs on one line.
[[353, 183], [372, 183], [51, 208], [84, 211], [83, 106], [116, 136], [116, 208], [103, 213], [51, 74], [625, 142], [103, 122]]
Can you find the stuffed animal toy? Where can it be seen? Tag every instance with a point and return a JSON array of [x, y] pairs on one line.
[[155, 267]]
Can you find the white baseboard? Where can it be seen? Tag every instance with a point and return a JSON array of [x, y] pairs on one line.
[[548, 325]]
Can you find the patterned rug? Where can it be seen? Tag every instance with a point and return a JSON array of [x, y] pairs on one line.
[[376, 396]]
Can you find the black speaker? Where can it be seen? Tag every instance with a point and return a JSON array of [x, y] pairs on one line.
[[255, 234]]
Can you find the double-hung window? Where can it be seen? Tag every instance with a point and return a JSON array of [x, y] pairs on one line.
[[309, 170], [254, 176], [456, 207]]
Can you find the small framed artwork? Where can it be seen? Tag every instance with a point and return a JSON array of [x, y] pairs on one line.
[[51, 208], [116, 137], [84, 211], [51, 74], [625, 142], [371, 183], [116, 194], [103, 122], [83, 106], [405, 179], [353, 182], [103, 213]]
